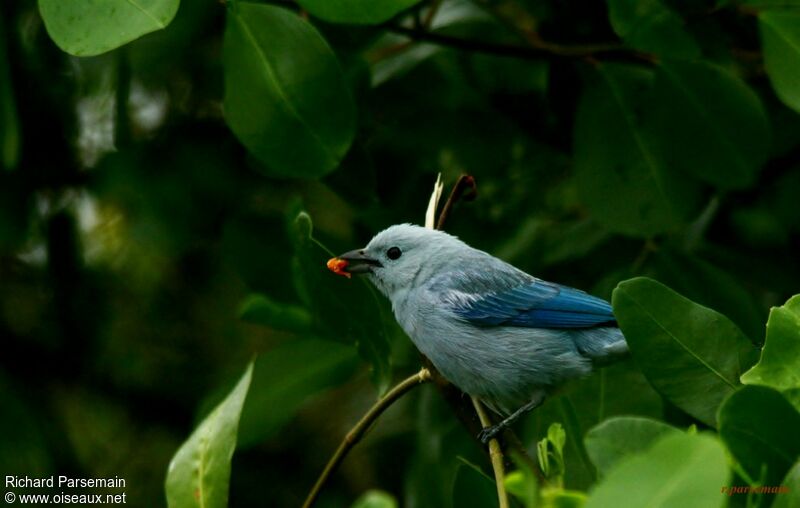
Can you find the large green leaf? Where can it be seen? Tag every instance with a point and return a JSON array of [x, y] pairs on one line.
[[689, 353], [780, 36], [620, 437], [679, 470], [91, 27], [285, 378], [779, 366], [285, 95], [199, 473], [708, 123], [759, 427], [650, 25], [356, 11], [345, 310], [614, 157], [707, 284]]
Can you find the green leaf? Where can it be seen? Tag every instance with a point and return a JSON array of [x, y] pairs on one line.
[[550, 451], [613, 156], [679, 470], [367, 12], [779, 366], [375, 499], [620, 437], [780, 38], [91, 27], [9, 124], [649, 25], [286, 98], [285, 378], [199, 473], [345, 310], [791, 498], [709, 123], [689, 353], [710, 286], [759, 427], [262, 310]]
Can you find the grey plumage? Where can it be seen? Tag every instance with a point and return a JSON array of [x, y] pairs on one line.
[[494, 331]]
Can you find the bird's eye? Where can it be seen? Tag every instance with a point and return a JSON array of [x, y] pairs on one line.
[[393, 253]]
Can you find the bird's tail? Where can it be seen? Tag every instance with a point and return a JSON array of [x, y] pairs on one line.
[[603, 345]]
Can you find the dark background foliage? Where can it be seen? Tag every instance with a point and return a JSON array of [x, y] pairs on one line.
[[143, 246]]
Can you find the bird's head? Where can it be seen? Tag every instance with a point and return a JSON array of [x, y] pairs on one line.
[[399, 255]]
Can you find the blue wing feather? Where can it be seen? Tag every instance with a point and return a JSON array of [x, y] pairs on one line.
[[537, 304]]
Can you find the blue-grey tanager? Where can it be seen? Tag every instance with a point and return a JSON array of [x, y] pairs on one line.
[[494, 331]]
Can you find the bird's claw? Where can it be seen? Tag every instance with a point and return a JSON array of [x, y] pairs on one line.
[[488, 433]]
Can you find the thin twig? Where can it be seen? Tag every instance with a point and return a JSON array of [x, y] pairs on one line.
[[361, 428], [495, 454], [541, 51]]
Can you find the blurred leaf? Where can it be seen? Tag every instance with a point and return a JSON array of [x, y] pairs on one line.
[[9, 124], [199, 473], [285, 378], [759, 427], [368, 12], [613, 156], [779, 366], [522, 485], [285, 95], [650, 25], [375, 499], [709, 123], [689, 353], [560, 498], [390, 58], [780, 36], [345, 310], [710, 286], [620, 437], [473, 488], [262, 310], [791, 498], [572, 241], [23, 447], [87, 27], [679, 470]]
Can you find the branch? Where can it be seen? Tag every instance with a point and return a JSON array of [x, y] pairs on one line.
[[496, 454], [360, 429], [540, 51]]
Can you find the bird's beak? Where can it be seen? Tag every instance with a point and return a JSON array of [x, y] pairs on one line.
[[355, 261]]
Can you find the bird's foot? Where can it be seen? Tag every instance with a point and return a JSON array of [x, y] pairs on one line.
[[490, 432]]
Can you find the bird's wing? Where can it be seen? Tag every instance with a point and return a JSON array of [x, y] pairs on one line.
[[528, 302]]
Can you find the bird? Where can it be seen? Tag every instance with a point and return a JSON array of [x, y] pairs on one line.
[[497, 333]]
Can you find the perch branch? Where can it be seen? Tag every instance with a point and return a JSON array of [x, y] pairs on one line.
[[361, 428], [496, 455]]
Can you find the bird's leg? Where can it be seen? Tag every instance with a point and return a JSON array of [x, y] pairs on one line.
[[489, 432]]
